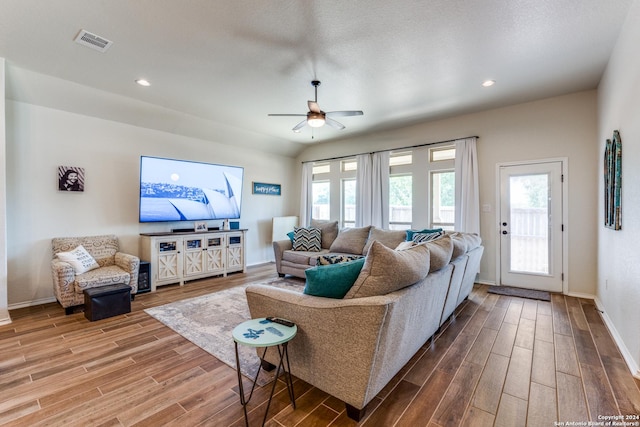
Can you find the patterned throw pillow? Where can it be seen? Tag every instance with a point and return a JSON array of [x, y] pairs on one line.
[[79, 258], [426, 237], [410, 233], [336, 259], [306, 239]]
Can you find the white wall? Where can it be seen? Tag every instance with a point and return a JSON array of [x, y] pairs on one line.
[[618, 290], [39, 139], [563, 126]]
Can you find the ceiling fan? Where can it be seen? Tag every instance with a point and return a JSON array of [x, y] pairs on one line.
[[316, 117]]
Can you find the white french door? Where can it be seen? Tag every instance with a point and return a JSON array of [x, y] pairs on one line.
[[531, 241]]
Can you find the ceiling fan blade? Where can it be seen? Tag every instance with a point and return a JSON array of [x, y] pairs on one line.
[[344, 113], [299, 126], [285, 115], [313, 107], [333, 123]]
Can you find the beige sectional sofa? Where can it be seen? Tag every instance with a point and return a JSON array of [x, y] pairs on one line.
[[352, 347]]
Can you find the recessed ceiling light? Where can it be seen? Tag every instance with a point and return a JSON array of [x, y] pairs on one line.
[[488, 83], [143, 82]]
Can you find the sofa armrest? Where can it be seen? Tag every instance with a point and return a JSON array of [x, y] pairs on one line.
[[130, 264], [279, 246], [63, 277], [337, 339]]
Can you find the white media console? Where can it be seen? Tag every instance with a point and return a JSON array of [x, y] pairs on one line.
[[178, 257]]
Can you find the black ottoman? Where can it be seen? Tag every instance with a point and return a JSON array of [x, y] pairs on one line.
[[107, 301]]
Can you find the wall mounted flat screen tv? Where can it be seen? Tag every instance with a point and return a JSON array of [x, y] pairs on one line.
[[180, 190]]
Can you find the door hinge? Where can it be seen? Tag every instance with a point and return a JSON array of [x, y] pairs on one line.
[[562, 227], [562, 277], [561, 177]]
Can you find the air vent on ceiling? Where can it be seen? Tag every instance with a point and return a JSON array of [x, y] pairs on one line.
[[93, 41]]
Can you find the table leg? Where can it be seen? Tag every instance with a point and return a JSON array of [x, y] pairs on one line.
[[288, 378], [241, 387]]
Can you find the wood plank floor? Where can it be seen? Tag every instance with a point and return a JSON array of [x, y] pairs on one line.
[[501, 361]]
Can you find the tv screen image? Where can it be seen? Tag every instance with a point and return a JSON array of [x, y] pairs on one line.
[[181, 190]]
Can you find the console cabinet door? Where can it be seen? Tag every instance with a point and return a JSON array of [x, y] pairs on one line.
[[169, 259], [235, 252], [194, 255], [215, 254]]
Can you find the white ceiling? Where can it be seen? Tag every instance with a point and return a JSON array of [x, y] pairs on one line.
[[227, 64]]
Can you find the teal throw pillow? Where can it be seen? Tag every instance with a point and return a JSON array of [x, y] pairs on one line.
[[410, 233], [332, 281], [290, 235]]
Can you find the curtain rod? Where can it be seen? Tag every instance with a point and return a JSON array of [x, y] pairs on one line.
[[394, 149]]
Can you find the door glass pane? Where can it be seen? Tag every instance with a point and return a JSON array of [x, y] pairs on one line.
[[529, 223], [320, 196]]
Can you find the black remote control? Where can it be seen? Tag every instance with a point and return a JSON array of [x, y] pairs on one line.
[[281, 321]]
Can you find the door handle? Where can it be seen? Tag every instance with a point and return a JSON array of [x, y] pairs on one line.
[[504, 224], [504, 232]]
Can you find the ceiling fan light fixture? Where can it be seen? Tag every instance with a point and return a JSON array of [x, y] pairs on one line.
[[315, 120]]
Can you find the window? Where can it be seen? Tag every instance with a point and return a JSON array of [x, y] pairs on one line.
[[334, 191], [348, 203], [442, 190], [443, 199], [400, 202], [321, 200]]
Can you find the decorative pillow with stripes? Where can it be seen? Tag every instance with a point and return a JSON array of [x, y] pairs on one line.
[[307, 239], [426, 237]]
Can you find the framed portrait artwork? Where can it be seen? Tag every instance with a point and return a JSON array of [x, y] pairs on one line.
[[70, 178]]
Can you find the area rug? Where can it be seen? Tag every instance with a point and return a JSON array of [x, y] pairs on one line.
[[520, 292], [208, 321]]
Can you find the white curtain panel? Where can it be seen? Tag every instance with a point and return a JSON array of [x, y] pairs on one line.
[[467, 215], [363, 190], [306, 196], [380, 190]]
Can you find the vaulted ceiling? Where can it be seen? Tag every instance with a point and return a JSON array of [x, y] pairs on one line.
[[218, 67]]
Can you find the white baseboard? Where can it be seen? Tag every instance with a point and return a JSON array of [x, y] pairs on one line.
[[626, 354], [581, 295], [485, 282], [32, 303], [5, 319]]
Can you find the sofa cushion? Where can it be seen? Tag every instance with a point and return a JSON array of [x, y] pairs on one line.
[[410, 233], [337, 258], [328, 231], [389, 238], [420, 237], [472, 239], [306, 239], [102, 276], [386, 270], [302, 257], [459, 244], [79, 258], [351, 240], [440, 251], [332, 281]]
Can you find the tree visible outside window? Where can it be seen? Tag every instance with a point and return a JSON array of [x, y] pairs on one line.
[[443, 199]]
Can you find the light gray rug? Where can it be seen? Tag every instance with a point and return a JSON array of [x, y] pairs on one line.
[[208, 320]]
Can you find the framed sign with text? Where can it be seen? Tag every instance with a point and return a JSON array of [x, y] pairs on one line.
[[267, 189]]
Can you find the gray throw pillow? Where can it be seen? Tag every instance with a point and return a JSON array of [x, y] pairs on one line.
[[350, 240], [387, 270], [389, 238], [328, 231]]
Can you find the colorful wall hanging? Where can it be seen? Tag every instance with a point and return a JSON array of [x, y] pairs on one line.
[[613, 182]]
